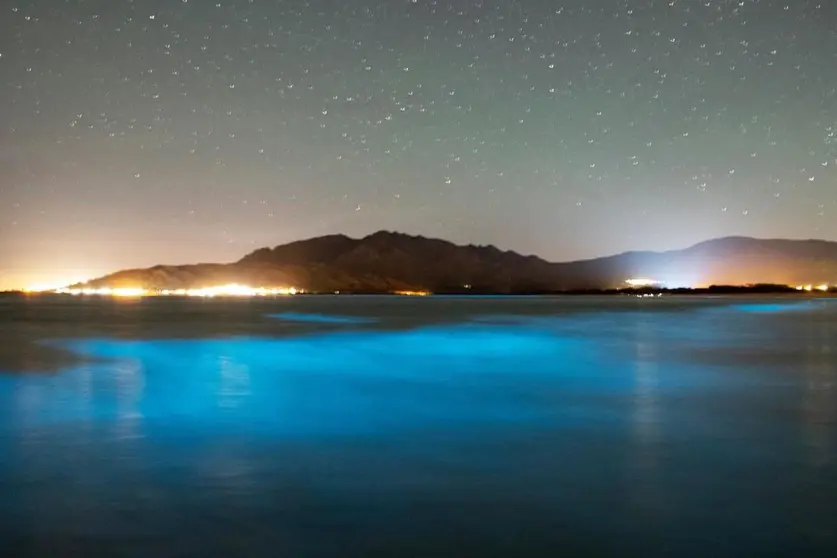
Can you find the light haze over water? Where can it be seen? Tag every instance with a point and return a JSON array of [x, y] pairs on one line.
[[391, 426]]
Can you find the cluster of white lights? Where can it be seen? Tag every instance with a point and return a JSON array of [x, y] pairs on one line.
[[232, 290], [808, 288], [643, 282]]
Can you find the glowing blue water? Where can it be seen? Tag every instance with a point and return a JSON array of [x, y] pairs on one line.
[[321, 318], [455, 428], [787, 306]]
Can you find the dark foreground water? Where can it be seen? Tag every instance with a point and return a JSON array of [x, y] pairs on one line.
[[418, 427]]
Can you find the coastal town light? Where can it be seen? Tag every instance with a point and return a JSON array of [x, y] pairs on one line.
[[230, 290], [642, 282], [825, 287], [41, 289]]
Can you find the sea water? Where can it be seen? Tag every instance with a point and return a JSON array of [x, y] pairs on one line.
[[391, 426]]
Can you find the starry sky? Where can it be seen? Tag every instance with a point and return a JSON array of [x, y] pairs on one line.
[[175, 131]]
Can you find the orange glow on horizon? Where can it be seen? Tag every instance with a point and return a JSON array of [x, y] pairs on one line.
[[230, 290], [51, 287], [824, 288]]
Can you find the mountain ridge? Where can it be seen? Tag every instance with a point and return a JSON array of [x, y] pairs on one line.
[[386, 261]]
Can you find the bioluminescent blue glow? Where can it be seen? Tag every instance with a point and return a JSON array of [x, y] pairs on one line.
[[336, 383], [666, 427], [321, 318], [345, 383], [774, 307]]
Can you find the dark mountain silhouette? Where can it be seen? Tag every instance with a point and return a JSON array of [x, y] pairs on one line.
[[390, 261]]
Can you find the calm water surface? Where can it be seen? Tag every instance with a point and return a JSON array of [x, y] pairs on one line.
[[418, 427]]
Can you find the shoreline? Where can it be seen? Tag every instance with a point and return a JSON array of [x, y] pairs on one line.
[[464, 293]]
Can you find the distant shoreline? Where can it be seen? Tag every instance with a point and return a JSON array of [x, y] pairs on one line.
[[712, 290], [387, 262]]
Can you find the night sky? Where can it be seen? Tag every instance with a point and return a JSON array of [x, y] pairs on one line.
[[142, 132]]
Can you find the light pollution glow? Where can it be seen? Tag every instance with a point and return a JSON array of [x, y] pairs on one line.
[[231, 290], [642, 282], [236, 290], [808, 288]]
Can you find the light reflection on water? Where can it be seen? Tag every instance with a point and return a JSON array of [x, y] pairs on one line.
[[485, 428], [646, 422]]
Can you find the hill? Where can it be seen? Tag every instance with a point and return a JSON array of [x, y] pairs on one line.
[[391, 261]]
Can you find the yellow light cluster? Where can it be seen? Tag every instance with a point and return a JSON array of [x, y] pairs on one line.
[[412, 293], [808, 288], [232, 290], [41, 289], [105, 291]]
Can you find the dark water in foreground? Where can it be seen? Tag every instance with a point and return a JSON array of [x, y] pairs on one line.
[[406, 427]]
